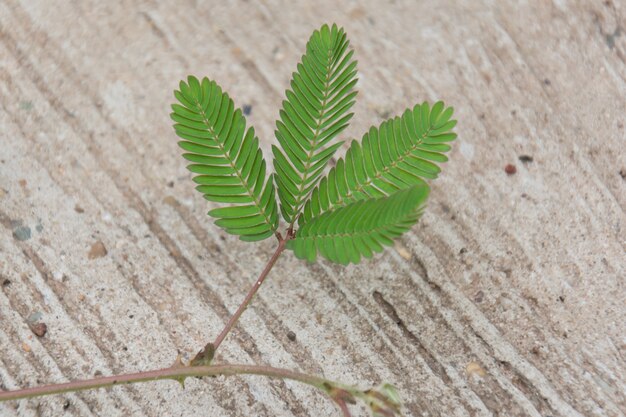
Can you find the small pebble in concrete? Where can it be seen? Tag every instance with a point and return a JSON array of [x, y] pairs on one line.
[[21, 233], [403, 251], [78, 209], [291, 336], [474, 368], [525, 158], [171, 201], [98, 250], [247, 109], [40, 329], [35, 317], [510, 169]]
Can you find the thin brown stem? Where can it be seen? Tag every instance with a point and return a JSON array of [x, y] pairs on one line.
[[174, 373], [233, 320], [344, 408], [200, 365]]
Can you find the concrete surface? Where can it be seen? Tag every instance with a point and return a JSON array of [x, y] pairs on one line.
[[507, 299]]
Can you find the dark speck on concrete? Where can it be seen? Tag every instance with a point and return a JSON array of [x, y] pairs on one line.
[[510, 169], [247, 109], [66, 404], [39, 329], [291, 336], [610, 38], [622, 173], [6, 282], [98, 250], [21, 233], [383, 113], [547, 82], [525, 158]]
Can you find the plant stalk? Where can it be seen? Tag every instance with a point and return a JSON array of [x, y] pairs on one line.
[[177, 373], [242, 307], [344, 408], [201, 366]]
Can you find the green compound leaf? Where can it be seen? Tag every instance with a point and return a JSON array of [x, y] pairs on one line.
[[315, 112], [400, 153], [226, 158], [360, 228]]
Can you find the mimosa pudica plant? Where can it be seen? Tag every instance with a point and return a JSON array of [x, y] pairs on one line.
[[372, 195]]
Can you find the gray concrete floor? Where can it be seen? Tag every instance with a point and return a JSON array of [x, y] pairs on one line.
[[507, 299]]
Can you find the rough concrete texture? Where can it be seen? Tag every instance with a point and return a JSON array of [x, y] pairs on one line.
[[507, 299]]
